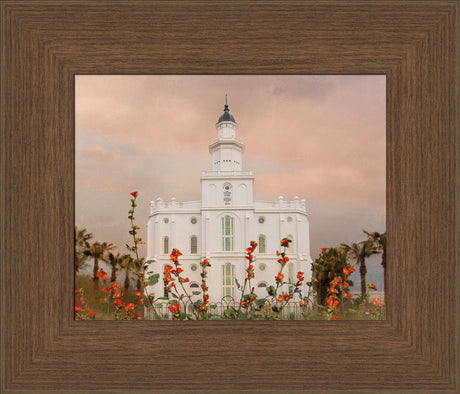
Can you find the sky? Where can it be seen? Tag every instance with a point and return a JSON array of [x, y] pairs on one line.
[[318, 137]]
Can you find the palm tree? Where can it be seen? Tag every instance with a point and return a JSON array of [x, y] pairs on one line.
[[82, 238], [360, 252], [128, 265], [98, 251], [380, 242], [115, 262]]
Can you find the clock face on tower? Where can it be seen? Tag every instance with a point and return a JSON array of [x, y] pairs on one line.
[[227, 194]]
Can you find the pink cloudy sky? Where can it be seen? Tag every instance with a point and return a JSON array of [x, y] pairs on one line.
[[321, 138]]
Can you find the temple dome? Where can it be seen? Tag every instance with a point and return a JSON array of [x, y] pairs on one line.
[[226, 116]]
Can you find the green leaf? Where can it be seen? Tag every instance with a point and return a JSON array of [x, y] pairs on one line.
[[213, 306], [153, 280], [237, 284], [275, 309], [230, 313], [174, 295], [163, 298], [271, 290], [196, 292], [260, 302], [173, 302]]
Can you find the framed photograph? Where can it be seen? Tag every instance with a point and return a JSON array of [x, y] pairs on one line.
[[46, 44], [247, 205]]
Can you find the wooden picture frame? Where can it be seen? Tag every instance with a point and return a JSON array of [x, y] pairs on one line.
[[45, 43]]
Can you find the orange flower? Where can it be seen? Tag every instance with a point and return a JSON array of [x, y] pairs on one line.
[[280, 298], [78, 290], [249, 250], [170, 286], [348, 296], [77, 309], [174, 308], [285, 242], [323, 249], [335, 318], [118, 294], [280, 276], [134, 194], [138, 293], [205, 262], [179, 270], [371, 286], [370, 310], [101, 301], [105, 289], [286, 259], [119, 302], [129, 307], [244, 303], [377, 302]]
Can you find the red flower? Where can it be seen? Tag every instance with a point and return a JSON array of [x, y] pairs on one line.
[[170, 286], [286, 259], [134, 194], [77, 309], [129, 307], [249, 250], [372, 286], [136, 316], [335, 318], [174, 308], [138, 293], [104, 290], [119, 302], [205, 262], [285, 242], [179, 270], [245, 303], [348, 296], [280, 276], [323, 249], [186, 280]]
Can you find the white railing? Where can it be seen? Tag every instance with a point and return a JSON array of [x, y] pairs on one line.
[[226, 173]]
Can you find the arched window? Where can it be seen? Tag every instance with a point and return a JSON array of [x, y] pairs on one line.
[[193, 244], [262, 284], [194, 285], [261, 243], [228, 288], [291, 244], [290, 278], [227, 233], [166, 245]]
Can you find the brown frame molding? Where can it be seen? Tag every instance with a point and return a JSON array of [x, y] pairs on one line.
[[44, 43]]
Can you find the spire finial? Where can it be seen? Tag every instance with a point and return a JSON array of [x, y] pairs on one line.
[[226, 99]]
